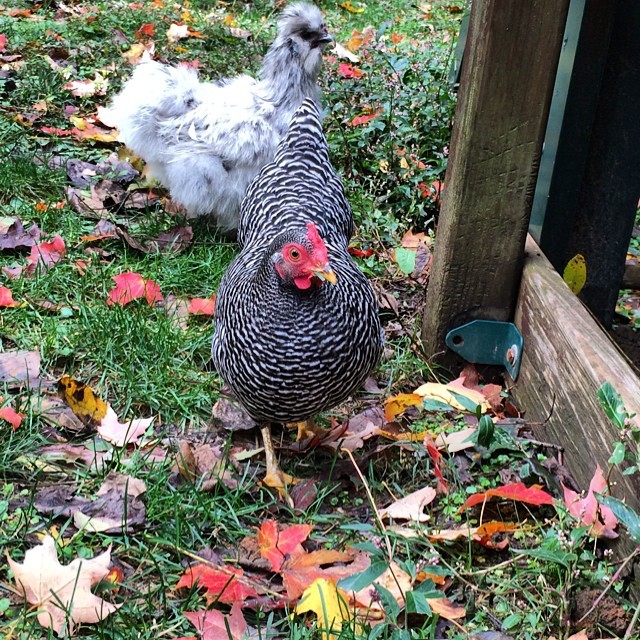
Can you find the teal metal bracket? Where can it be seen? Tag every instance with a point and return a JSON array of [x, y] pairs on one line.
[[488, 342]]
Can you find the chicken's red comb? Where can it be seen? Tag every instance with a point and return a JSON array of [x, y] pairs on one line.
[[319, 247]]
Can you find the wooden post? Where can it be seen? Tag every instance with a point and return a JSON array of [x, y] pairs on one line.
[[507, 78]]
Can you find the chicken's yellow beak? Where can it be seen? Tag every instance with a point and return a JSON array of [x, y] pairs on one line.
[[326, 273]]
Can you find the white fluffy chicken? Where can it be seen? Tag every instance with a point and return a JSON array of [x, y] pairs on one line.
[[206, 141]]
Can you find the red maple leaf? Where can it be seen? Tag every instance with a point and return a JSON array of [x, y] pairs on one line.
[[516, 491], [202, 306], [6, 298], [221, 584], [277, 546], [145, 31], [131, 286], [46, 254], [11, 416]]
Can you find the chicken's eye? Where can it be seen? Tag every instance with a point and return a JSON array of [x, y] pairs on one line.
[[294, 255]]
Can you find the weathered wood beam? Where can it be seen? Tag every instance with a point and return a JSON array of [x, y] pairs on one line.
[[567, 357], [505, 89]]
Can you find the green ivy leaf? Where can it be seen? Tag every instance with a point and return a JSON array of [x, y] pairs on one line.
[[624, 513], [613, 405], [406, 259]]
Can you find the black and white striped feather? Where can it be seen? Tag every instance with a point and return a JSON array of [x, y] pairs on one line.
[[288, 354]]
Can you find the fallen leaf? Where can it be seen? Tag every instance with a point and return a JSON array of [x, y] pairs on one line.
[[343, 52], [14, 236], [11, 416], [6, 298], [485, 532], [85, 88], [147, 30], [18, 368], [45, 254], [119, 433], [204, 464], [277, 544], [202, 306], [132, 286], [394, 579], [359, 428], [83, 401], [221, 584], [446, 609], [299, 571], [589, 511], [215, 625], [446, 393], [516, 491], [438, 463], [360, 38], [231, 415], [62, 593], [329, 603], [137, 51], [411, 507], [396, 405], [351, 8], [177, 32], [456, 441]]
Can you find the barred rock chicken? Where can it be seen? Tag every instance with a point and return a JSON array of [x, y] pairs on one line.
[[206, 141], [296, 322]]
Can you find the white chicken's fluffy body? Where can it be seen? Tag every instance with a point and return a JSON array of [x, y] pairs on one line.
[[206, 141]]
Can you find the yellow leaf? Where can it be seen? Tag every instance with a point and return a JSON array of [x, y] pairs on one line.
[[349, 6], [395, 405], [444, 393], [575, 273], [82, 400], [328, 602], [383, 165]]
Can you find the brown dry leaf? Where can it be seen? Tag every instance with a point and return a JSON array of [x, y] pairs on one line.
[[118, 506], [74, 453], [412, 240], [55, 589], [343, 52], [196, 461], [450, 535], [446, 609], [411, 507], [20, 368], [58, 414], [231, 416], [361, 427], [14, 236]]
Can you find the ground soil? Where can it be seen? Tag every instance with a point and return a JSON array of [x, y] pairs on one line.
[[629, 341]]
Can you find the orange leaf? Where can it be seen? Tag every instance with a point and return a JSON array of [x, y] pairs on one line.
[[484, 534], [277, 545], [11, 416], [6, 298], [202, 306], [359, 120], [222, 584], [516, 491], [446, 609], [395, 405], [131, 286], [145, 31]]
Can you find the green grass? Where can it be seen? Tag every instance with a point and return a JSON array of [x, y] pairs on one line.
[[144, 365]]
